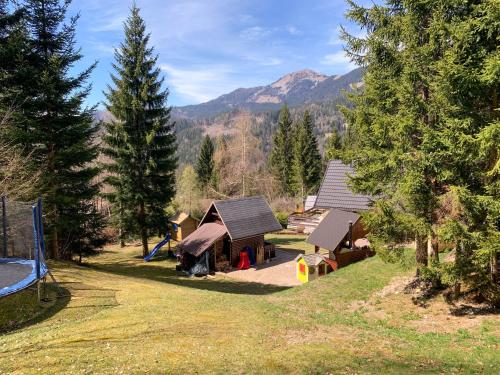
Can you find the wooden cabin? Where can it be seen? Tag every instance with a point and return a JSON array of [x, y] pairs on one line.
[[182, 226], [342, 226], [228, 227], [338, 233]]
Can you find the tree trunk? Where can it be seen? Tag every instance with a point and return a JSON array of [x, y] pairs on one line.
[[144, 231], [494, 268], [54, 244], [420, 252], [434, 248], [120, 236], [459, 251]]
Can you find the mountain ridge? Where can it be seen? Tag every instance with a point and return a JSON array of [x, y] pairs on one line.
[[295, 88]]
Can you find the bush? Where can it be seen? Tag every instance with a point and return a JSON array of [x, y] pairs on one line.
[[282, 218]]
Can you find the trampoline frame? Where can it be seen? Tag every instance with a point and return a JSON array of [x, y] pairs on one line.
[[39, 267]]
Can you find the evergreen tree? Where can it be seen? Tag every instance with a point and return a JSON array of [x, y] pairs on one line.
[[280, 160], [205, 164], [424, 129], [141, 141], [14, 49], [51, 123], [333, 146], [306, 158]]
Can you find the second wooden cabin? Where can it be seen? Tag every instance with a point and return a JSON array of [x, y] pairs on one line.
[[228, 227]]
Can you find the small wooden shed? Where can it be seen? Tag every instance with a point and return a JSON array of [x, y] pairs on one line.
[[338, 233], [183, 225]]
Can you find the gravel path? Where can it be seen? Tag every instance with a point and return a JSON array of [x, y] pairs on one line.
[[280, 271]]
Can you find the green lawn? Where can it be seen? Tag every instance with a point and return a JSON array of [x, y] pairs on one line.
[[127, 316], [291, 241]]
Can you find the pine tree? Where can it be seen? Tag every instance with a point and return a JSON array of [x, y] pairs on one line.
[[424, 128], [51, 123], [205, 164], [333, 146], [280, 160], [467, 93], [140, 142], [14, 49], [306, 159]]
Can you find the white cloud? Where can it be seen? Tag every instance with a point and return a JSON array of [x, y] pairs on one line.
[[272, 61], [255, 33], [198, 85], [335, 36], [292, 30], [109, 24], [338, 59], [103, 48], [264, 60]]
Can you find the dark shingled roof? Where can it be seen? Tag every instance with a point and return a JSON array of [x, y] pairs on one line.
[[202, 238], [332, 229], [247, 217], [335, 193]]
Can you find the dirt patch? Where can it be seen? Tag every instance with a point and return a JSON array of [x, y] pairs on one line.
[[394, 304], [396, 286], [279, 271]]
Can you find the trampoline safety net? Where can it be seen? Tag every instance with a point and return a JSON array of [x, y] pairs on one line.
[[17, 229]]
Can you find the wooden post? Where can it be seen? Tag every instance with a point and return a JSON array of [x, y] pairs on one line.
[[4, 226], [351, 245]]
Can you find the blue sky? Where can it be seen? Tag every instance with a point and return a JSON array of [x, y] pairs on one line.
[[210, 47]]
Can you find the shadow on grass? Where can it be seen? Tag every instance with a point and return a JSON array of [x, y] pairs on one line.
[[170, 276], [58, 299], [467, 310]]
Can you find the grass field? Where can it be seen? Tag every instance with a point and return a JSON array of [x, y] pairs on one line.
[[126, 316]]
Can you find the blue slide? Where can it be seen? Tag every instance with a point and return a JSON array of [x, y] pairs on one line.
[[153, 252]]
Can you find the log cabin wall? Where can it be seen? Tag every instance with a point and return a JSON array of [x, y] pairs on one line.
[[358, 230], [257, 245]]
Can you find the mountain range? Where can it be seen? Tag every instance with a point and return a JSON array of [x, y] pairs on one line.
[[302, 90], [295, 89]]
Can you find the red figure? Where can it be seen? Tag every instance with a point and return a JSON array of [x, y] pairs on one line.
[[244, 263]]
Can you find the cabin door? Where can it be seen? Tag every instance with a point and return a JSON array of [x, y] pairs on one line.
[[260, 254]]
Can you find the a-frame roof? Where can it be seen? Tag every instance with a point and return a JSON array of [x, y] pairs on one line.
[[335, 193], [332, 229], [245, 217]]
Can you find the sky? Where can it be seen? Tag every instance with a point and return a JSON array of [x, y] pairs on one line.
[[207, 48]]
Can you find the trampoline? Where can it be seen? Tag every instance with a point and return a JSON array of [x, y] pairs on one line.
[[22, 255]]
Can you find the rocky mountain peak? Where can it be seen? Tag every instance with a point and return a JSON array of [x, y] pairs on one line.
[[285, 83]]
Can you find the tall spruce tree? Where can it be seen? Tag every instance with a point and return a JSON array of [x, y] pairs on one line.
[[141, 141], [281, 158], [14, 51], [423, 129], [51, 123], [333, 146], [307, 164], [205, 164]]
